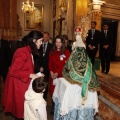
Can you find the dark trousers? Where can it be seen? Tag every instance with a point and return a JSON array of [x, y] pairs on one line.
[[3, 73], [105, 60], [46, 73], [19, 118], [91, 54]]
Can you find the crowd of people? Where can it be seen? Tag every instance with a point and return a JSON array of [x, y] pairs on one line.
[[38, 62]]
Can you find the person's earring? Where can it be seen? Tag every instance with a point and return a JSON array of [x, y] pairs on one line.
[[34, 40]]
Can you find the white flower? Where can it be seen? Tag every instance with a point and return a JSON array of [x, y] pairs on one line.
[[39, 74], [62, 57]]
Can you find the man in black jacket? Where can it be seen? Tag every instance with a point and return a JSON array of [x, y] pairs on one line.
[[106, 48], [45, 50], [92, 42]]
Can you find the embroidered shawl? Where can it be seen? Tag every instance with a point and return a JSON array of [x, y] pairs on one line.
[[78, 70]]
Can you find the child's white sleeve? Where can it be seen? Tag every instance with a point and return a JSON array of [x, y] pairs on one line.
[[42, 112]]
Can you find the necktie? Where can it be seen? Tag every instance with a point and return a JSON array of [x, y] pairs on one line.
[[93, 31], [44, 48], [105, 33]]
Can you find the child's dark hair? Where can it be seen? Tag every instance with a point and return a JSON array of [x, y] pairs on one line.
[[38, 85]]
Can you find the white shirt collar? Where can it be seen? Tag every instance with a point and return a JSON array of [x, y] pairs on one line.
[[45, 43]]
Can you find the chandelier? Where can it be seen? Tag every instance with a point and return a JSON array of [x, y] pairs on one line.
[[27, 7]]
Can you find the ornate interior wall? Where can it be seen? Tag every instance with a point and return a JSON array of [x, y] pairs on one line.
[[111, 11], [8, 20], [114, 2], [81, 9]]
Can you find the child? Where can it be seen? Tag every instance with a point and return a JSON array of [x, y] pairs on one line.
[[35, 105]]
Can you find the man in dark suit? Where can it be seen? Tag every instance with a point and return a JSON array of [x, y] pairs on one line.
[[106, 48], [45, 49], [92, 42]]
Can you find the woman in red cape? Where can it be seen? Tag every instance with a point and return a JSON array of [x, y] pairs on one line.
[[20, 74]]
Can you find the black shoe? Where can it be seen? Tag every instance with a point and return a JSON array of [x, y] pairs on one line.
[[106, 72], [102, 71], [1, 111], [19, 118]]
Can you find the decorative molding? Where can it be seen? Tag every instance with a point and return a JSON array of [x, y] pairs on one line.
[[111, 6], [115, 2], [111, 14], [111, 11]]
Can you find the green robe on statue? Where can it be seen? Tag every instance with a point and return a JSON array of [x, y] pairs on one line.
[[78, 70]]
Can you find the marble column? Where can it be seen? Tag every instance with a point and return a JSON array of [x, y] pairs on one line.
[[1, 14], [5, 16], [8, 20], [69, 19], [97, 18], [13, 19], [81, 10]]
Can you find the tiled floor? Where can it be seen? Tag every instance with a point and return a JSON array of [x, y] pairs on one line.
[[114, 73], [112, 78]]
